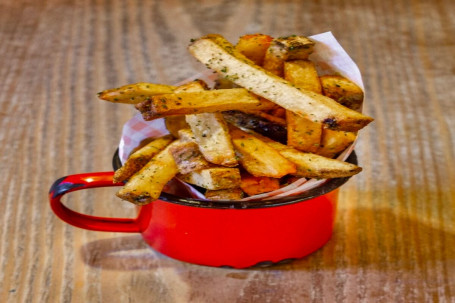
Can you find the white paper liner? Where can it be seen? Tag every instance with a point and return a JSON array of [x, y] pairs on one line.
[[329, 57]]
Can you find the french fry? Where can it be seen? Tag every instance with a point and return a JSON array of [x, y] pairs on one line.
[[310, 165], [286, 48], [139, 158], [343, 91], [252, 185], [224, 194], [334, 142], [186, 135], [303, 134], [218, 54], [146, 185], [214, 178], [188, 157], [176, 123], [254, 47], [258, 158], [303, 74], [212, 135], [201, 102], [135, 93], [314, 166]]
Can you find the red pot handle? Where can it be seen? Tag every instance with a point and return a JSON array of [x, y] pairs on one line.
[[83, 181]]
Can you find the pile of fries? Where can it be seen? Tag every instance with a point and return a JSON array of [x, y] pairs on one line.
[[270, 120]]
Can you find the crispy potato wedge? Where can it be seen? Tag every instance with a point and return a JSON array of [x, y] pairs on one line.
[[254, 47], [146, 185], [201, 102], [225, 194], [286, 48], [252, 185], [212, 135], [218, 54], [343, 91], [135, 93], [303, 134], [334, 141], [214, 178], [139, 158], [311, 165], [257, 157], [188, 157]]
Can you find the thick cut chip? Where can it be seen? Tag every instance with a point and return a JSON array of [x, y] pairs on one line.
[[201, 102], [224, 194], [303, 134], [303, 74], [146, 185], [254, 47], [218, 54], [334, 141], [311, 165], [212, 135], [188, 157], [315, 166], [135, 93], [214, 178], [343, 91], [286, 48], [186, 135], [258, 158], [139, 158]]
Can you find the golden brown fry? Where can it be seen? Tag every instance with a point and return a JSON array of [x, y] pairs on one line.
[[139, 158], [254, 47], [343, 91], [224, 194], [315, 166], [146, 185], [212, 135], [214, 178], [135, 93], [333, 142], [188, 157], [286, 48], [303, 74], [186, 135], [311, 165], [218, 54], [201, 102], [258, 158], [303, 134]]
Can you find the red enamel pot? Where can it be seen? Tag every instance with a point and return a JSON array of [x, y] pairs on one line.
[[217, 233]]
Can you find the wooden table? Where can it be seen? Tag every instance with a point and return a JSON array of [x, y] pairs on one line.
[[394, 238]]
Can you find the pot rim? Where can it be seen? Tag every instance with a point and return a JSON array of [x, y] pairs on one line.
[[326, 187]]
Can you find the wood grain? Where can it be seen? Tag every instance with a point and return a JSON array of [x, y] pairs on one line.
[[395, 233]]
